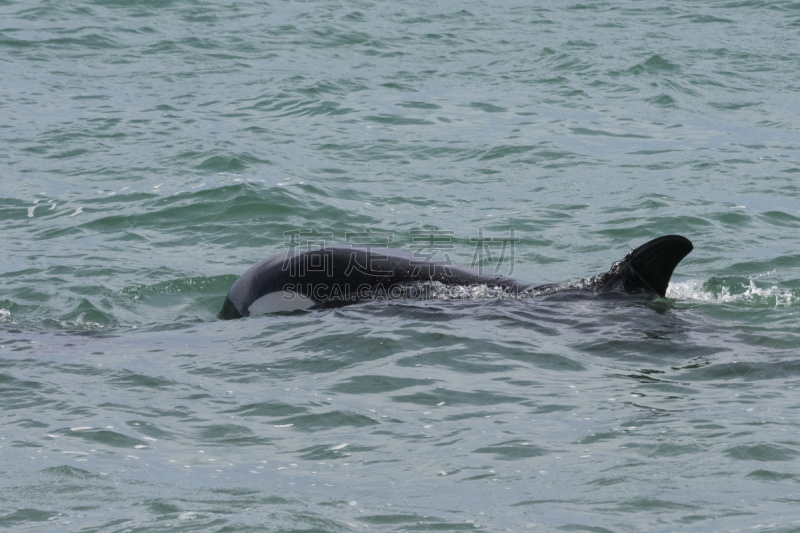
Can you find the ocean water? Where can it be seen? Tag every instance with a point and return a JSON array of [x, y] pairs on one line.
[[151, 151]]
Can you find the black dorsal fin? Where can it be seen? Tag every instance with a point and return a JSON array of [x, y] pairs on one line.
[[647, 268]]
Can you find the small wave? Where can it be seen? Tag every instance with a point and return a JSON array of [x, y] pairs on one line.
[[718, 290]]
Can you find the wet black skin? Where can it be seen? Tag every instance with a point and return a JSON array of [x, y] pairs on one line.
[[333, 277]]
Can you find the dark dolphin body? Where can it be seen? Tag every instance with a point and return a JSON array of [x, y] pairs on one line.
[[333, 277]]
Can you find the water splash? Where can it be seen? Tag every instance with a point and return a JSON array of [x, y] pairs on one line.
[[732, 290], [439, 291]]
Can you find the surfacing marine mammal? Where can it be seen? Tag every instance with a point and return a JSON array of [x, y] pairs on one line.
[[333, 277]]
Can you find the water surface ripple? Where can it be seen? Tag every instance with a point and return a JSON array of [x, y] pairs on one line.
[[152, 151]]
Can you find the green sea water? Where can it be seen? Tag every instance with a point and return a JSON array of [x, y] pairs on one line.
[[152, 151]]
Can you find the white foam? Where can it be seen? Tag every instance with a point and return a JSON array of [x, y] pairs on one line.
[[440, 291], [696, 291]]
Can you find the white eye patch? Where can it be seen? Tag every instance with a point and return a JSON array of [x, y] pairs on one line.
[[280, 301]]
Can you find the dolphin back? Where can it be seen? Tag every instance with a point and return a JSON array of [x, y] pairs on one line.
[[332, 277]]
